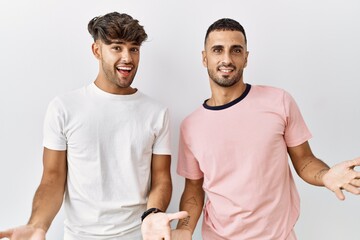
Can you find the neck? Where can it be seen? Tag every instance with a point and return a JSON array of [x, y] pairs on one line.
[[112, 88], [223, 95]]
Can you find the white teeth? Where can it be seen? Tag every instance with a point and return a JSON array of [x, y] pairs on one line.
[[124, 68], [226, 70]]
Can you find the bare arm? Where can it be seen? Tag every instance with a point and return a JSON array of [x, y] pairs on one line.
[[157, 226], [49, 195], [340, 177], [192, 201], [307, 166], [161, 185], [47, 200]]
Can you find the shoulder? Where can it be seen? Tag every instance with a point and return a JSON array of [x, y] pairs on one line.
[[150, 102], [268, 90], [64, 100], [270, 93], [148, 107], [194, 118], [70, 95]]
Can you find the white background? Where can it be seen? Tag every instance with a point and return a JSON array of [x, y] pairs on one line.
[[310, 48]]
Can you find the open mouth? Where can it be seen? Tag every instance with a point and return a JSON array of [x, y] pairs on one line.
[[226, 69], [124, 69]]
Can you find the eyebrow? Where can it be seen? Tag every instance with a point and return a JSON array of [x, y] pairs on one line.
[[237, 46], [232, 46], [124, 42], [217, 46]]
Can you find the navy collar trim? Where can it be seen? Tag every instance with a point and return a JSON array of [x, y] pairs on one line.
[[235, 101]]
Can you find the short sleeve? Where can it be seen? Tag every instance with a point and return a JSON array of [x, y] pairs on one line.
[[53, 130], [187, 166], [162, 144], [296, 131]]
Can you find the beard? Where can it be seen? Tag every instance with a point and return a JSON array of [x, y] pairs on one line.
[[111, 76], [225, 81]]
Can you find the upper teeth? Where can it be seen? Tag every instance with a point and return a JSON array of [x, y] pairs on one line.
[[225, 70], [124, 68]]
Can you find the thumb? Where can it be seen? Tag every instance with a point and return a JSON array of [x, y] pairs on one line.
[[6, 233], [178, 215], [339, 194]]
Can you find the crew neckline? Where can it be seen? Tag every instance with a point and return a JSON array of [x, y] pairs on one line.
[[103, 93], [229, 104]]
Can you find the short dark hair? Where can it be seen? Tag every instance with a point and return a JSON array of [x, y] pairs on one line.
[[225, 24], [115, 26]]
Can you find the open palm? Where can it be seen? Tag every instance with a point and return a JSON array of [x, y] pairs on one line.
[[342, 176], [24, 233]]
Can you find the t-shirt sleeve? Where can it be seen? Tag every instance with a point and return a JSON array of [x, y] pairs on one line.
[[53, 130], [187, 166], [162, 144], [296, 131]]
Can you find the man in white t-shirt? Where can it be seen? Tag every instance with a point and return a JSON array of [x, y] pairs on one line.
[[234, 149], [106, 150]]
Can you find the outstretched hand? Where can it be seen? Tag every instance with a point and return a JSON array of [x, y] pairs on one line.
[[25, 232], [157, 226], [342, 176]]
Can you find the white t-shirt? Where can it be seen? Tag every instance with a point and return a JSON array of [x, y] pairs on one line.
[[109, 141]]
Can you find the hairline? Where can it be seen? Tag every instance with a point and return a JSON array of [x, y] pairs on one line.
[[224, 30]]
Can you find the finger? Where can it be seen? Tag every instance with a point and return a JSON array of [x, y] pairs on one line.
[[357, 174], [167, 236], [339, 194], [6, 233], [352, 189], [355, 162], [355, 182], [178, 215]]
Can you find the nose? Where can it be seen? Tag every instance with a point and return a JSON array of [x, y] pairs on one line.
[[226, 58], [126, 56]]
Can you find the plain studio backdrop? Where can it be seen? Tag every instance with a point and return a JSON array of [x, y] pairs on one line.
[[310, 48]]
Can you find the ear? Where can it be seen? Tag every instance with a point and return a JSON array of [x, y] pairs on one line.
[[96, 49], [246, 59], [204, 58]]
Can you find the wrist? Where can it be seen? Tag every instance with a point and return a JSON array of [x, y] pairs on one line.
[[320, 175], [184, 224], [38, 225], [150, 211], [187, 228]]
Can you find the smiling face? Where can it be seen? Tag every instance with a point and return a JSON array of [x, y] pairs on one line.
[[225, 57], [118, 63]]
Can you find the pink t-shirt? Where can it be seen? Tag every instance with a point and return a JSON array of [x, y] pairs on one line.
[[241, 151]]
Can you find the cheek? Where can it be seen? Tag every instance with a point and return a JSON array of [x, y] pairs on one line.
[[241, 62], [136, 59], [213, 64], [210, 62]]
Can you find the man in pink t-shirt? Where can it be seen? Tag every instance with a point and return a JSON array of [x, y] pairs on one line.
[[234, 149]]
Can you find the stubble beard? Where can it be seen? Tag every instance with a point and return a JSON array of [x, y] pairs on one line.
[[225, 81], [111, 76]]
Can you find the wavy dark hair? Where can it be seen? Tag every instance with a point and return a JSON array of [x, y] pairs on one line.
[[225, 24], [116, 26]]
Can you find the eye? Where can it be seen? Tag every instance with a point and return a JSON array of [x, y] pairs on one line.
[[135, 49], [237, 50], [217, 50], [116, 48]]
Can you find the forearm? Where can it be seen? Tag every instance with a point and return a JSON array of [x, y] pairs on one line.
[[160, 195], [46, 204], [307, 166], [313, 170], [192, 201]]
